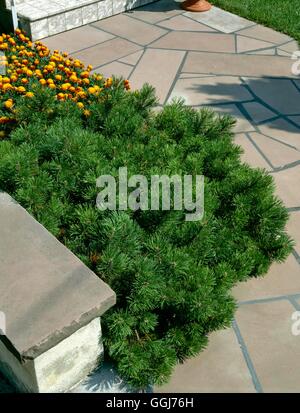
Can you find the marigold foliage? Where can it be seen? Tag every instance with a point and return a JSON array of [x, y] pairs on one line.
[[172, 278]]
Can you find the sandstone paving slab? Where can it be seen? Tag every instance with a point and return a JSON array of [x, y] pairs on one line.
[[280, 94], [238, 65], [212, 42], [131, 29], [295, 119], [287, 184], [258, 112], [290, 47], [115, 68], [283, 131], [251, 156], [264, 33], [280, 52], [277, 153], [132, 59], [221, 20], [181, 22], [281, 279], [46, 292], [159, 68], [107, 52], [77, 39], [157, 11], [246, 44], [293, 228], [221, 367], [210, 90], [242, 124], [267, 332], [266, 52]]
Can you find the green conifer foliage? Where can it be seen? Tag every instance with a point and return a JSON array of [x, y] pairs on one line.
[[172, 278]]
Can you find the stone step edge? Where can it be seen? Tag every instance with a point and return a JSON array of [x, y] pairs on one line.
[[77, 17]]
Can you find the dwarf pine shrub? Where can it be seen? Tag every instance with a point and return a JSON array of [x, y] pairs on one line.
[[172, 278]]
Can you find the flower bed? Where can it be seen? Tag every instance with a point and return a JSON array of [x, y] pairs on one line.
[[172, 278]]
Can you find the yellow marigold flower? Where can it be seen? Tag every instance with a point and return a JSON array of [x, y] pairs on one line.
[[13, 78], [5, 79], [89, 68], [42, 82], [9, 104], [50, 81], [58, 77], [29, 94], [73, 78], [92, 90], [21, 89], [24, 81], [66, 86], [84, 74], [72, 89], [86, 81], [52, 86], [80, 105], [87, 113], [6, 86]]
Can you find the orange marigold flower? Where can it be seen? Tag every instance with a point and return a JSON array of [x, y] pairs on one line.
[[21, 89], [9, 103], [66, 86], [24, 80], [58, 77], [42, 82]]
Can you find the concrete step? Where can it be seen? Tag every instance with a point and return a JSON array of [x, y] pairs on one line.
[[45, 18]]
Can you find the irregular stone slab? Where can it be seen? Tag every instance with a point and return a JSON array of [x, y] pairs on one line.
[[107, 52], [266, 52], [212, 42], [251, 156], [221, 367], [286, 183], [258, 112], [246, 44], [52, 303], [282, 279], [264, 33], [155, 12], [290, 47], [159, 68], [269, 326], [280, 94], [181, 22], [132, 59], [295, 119], [221, 20], [237, 65], [77, 39], [210, 90], [131, 29], [283, 131], [115, 69], [277, 153], [242, 124], [293, 228]]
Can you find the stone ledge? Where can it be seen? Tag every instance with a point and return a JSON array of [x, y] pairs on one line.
[[47, 294]]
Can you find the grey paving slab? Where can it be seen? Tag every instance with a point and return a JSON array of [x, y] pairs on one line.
[[221, 20], [158, 67], [117, 69], [182, 23], [283, 131], [210, 90], [246, 44], [213, 42], [238, 65], [258, 112], [264, 33], [293, 228], [221, 367], [131, 29], [286, 182], [46, 293], [267, 331], [251, 155], [280, 94]]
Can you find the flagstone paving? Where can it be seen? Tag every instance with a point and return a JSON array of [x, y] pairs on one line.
[[235, 66]]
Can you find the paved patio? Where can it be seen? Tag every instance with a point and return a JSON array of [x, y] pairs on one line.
[[222, 61]]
